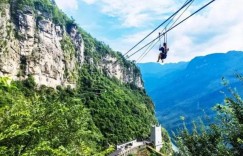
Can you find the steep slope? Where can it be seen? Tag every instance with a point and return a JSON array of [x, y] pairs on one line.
[[38, 39], [194, 90], [96, 97], [33, 44]]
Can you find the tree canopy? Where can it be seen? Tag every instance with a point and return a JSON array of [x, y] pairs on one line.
[[224, 137]]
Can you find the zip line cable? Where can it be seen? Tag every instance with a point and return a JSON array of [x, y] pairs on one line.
[[147, 51], [173, 27], [178, 17], [181, 15], [158, 26], [170, 20], [144, 54]]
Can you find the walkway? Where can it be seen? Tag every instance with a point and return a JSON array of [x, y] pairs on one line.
[[129, 149]]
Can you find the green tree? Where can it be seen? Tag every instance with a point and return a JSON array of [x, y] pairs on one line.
[[100, 112], [42, 124], [167, 146], [221, 138]]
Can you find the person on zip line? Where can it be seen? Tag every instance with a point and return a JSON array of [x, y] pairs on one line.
[[163, 54]]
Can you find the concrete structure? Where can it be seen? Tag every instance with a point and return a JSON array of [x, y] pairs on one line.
[[132, 147], [126, 145], [127, 148], [156, 137]]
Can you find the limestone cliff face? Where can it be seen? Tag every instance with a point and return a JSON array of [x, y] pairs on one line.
[[33, 46], [128, 75], [30, 43]]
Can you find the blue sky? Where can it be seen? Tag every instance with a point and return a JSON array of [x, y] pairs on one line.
[[122, 23]]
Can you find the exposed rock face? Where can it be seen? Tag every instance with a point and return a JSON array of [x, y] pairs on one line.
[[127, 75], [9, 48], [37, 50], [77, 40], [34, 45]]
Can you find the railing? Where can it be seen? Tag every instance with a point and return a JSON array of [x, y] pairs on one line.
[[134, 150]]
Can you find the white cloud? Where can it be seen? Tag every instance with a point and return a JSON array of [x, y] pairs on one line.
[[218, 28], [134, 13], [67, 4]]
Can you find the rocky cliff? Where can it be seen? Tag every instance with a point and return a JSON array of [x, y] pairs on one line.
[[34, 42], [106, 104]]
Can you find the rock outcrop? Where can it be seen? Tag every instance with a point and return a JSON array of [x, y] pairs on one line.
[[112, 68], [32, 44]]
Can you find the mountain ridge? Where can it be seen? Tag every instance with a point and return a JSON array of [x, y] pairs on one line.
[[179, 92]]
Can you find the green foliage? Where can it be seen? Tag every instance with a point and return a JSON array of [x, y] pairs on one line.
[[24, 3], [230, 114], [44, 122], [167, 147], [109, 150], [4, 1], [57, 16], [48, 9], [202, 141], [68, 47], [100, 112], [120, 113], [221, 138], [69, 53], [84, 121]]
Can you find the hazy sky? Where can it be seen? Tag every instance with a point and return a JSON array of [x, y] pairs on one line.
[[122, 23]]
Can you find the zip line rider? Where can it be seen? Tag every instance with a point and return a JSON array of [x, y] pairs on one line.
[[164, 49], [163, 53]]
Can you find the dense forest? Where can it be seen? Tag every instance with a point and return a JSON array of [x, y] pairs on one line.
[[87, 120], [43, 120]]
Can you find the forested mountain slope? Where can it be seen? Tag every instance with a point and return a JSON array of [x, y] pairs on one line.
[[62, 91], [191, 89]]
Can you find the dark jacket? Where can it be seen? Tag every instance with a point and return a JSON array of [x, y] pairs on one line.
[[163, 52]]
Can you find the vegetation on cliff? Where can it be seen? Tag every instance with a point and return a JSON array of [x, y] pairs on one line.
[[44, 122], [86, 120], [101, 111], [167, 146]]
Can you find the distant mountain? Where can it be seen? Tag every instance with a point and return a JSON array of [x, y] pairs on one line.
[[154, 72], [190, 89]]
